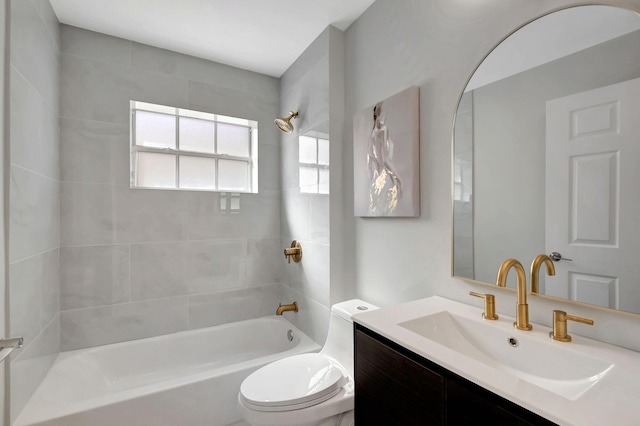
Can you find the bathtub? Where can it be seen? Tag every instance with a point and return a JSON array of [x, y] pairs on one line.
[[190, 378]]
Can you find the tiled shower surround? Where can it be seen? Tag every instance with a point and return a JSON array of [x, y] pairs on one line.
[[105, 263], [142, 262]]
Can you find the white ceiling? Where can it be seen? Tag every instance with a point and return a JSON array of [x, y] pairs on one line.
[[265, 36]]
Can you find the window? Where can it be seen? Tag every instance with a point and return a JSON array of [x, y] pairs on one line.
[[313, 159], [175, 148]]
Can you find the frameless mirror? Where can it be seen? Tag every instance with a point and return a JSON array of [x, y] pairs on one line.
[[547, 157]]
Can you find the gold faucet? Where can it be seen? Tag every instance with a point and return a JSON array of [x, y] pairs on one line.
[[285, 308], [535, 270], [560, 318], [522, 309]]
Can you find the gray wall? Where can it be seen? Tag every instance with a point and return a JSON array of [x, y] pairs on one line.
[[137, 263], [34, 194], [305, 87], [509, 148], [435, 45]]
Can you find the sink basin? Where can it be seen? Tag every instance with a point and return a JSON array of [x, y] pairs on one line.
[[540, 361]]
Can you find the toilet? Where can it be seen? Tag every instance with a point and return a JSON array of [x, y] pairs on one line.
[[314, 389]]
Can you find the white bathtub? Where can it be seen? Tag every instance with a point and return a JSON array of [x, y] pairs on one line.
[[189, 378]]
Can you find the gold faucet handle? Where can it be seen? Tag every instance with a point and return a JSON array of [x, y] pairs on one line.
[[560, 318], [489, 305], [294, 252]]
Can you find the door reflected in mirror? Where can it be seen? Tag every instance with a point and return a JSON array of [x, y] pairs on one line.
[[546, 151]]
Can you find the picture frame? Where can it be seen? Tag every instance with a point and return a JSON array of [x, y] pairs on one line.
[[386, 148]]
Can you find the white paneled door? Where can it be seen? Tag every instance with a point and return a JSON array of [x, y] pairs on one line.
[[593, 195]]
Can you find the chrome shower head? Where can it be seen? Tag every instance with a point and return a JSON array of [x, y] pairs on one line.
[[284, 124]]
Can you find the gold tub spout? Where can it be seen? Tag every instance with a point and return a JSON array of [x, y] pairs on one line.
[[285, 308], [522, 308], [535, 270]]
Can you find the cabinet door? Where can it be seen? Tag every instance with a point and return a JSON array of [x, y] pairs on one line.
[[392, 389], [469, 404]]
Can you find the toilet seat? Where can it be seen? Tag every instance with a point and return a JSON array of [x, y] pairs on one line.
[[293, 383]]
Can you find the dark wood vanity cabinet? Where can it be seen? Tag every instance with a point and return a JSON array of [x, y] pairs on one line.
[[395, 386]]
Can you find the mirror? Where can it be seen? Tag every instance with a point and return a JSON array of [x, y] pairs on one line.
[[546, 151]]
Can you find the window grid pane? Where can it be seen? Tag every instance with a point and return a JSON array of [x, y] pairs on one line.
[[323, 152], [308, 150], [155, 130], [233, 140], [323, 184], [155, 170], [197, 135], [233, 175], [308, 179], [197, 172]]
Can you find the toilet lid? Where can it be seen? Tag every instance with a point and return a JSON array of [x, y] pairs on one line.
[[292, 383]]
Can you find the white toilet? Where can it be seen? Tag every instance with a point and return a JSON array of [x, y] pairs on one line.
[[308, 389]]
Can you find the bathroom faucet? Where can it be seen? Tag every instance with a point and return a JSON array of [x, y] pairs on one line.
[[522, 309], [535, 270]]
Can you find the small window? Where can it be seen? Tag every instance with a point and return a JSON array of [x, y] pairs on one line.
[[313, 159], [175, 148]]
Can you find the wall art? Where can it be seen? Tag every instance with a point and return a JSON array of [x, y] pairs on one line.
[[386, 157]]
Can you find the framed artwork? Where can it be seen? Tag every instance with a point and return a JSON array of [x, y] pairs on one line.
[[386, 157]]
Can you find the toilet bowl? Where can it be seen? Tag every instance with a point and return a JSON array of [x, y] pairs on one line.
[[314, 389]]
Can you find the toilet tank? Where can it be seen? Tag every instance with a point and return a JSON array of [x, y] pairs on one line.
[[339, 344]]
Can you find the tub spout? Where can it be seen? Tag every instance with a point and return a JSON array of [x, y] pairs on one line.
[[284, 308]]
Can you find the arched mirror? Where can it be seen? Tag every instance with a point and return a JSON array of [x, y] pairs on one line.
[[547, 157]]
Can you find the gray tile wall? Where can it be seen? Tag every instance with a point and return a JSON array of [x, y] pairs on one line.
[[138, 263], [34, 196], [305, 217]]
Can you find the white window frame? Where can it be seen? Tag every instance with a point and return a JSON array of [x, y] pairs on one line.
[[216, 119]]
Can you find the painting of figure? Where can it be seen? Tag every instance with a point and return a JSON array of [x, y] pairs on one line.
[[386, 157]]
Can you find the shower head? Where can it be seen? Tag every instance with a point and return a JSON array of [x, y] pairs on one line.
[[284, 124]]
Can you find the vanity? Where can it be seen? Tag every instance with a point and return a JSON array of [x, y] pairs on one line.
[[397, 386], [437, 361]]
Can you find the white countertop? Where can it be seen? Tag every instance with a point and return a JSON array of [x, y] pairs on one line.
[[614, 399]]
